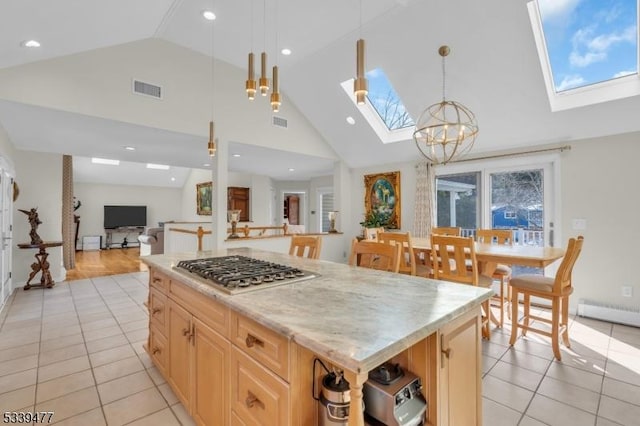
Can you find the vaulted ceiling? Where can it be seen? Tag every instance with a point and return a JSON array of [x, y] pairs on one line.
[[493, 68]]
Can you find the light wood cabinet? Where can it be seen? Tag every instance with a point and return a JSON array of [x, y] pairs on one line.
[[227, 369], [258, 397], [460, 372], [210, 376], [179, 351]]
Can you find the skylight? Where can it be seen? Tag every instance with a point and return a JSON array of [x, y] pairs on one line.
[[386, 101], [384, 110], [588, 47]]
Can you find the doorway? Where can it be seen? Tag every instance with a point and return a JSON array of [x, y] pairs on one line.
[[6, 229]]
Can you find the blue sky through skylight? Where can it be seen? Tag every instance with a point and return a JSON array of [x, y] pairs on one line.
[[386, 101], [590, 41]]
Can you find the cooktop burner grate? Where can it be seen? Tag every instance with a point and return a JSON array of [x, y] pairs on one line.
[[241, 273]]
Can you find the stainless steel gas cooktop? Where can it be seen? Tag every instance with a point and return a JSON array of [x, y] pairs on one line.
[[239, 274]]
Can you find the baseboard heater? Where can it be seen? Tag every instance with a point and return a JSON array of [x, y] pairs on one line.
[[611, 313]]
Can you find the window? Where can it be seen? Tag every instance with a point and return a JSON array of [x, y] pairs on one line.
[[588, 50], [510, 215], [384, 110], [457, 201], [326, 205]]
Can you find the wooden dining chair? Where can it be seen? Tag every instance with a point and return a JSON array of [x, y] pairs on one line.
[[375, 255], [371, 234], [502, 272], [557, 289], [453, 231], [409, 261], [454, 259], [305, 246]]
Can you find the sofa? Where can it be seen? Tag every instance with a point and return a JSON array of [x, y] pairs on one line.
[[151, 241]]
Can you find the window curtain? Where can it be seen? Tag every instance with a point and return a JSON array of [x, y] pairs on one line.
[[425, 200], [68, 223]]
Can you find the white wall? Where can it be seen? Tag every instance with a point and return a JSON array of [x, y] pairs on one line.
[[599, 184], [163, 204], [188, 207], [98, 83], [7, 150], [39, 176]]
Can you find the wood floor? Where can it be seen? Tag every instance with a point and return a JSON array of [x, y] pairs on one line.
[[90, 264]]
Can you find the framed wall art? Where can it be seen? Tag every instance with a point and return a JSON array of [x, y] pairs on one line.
[[382, 198], [203, 198]]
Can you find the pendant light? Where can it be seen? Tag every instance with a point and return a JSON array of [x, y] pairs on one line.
[[447, 130], [275, 94], [211, 146], [250, 84], [264, 81], [360, 85]]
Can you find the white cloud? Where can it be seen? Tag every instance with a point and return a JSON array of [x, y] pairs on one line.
[[570, 81], [557, 9], [588, 49], [623, 73]]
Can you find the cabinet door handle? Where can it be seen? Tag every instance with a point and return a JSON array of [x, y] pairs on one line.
[[186, 332], [253, 400], [157, 280], [252, 340], [156, 311], [156, 351], [447, 352]]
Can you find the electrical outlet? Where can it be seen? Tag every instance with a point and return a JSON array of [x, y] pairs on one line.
[[579, 224], [627, 291]]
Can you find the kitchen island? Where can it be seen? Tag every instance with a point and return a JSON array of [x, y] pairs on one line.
[[248, 358]]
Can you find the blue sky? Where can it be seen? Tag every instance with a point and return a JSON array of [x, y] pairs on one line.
[[590, 41], [380, 89]]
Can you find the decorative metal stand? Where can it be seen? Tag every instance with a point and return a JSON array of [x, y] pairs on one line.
[[234, 217]]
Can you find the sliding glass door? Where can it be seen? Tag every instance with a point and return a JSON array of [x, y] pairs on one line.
[[517, 194]]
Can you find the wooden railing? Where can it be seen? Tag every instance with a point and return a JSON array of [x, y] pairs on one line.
[[246, 230]]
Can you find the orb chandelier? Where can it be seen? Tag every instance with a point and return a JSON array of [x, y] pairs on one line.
[[447, 130]]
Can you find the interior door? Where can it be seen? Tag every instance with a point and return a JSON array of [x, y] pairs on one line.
[[6, 230]]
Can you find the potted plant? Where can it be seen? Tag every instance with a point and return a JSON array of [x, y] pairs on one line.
[[374, 219]]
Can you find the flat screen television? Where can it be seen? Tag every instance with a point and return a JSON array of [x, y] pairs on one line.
[[119, 216]]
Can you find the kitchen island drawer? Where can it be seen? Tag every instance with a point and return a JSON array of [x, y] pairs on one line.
[[158, 310], [258, 397], [158, 350], [206, 309], [266, 346], [159, 281]]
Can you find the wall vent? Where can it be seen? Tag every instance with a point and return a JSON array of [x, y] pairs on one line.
[[147, 89], [280, 122]]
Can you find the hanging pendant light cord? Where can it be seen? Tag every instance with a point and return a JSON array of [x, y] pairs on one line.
[[264, 23], [443, 79], [213, 70]]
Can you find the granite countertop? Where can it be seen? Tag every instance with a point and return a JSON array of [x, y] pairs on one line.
[[356, 318]]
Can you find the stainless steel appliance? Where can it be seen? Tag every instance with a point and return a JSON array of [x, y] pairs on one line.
[[393, 396], [334, 401], [238, 274]]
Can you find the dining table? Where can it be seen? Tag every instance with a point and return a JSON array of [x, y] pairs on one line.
[[491, 254]]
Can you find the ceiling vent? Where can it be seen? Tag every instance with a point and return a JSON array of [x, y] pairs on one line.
[[147, 89], [280, 122]]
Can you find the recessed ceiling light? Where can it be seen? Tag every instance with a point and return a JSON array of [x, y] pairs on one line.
[[351, 120], [157, 166], [173, 179], [292, 169], [286, 52], [130, 148], [235, 155], [31, 43], [209, 15], [105, 161]]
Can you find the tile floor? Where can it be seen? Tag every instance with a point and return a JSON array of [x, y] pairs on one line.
[[78, 352]]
